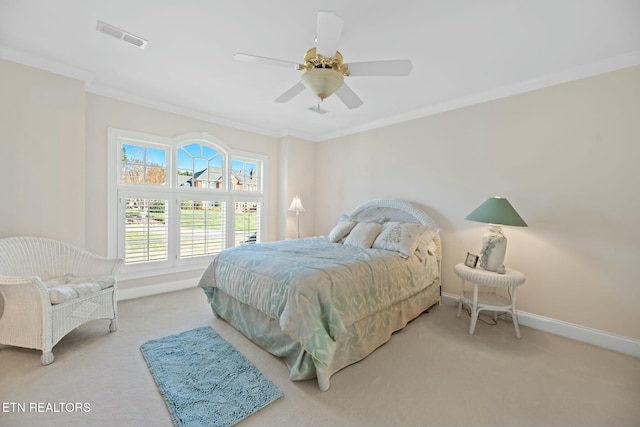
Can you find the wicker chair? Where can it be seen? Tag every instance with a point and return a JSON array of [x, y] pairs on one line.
[[28, 266]]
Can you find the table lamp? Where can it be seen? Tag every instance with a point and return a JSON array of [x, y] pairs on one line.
[[496, 211], [296, 206]]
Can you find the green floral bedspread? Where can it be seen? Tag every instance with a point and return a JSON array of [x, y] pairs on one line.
[[314, 288]]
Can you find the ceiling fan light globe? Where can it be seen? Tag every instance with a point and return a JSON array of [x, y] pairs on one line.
[[323, 82]]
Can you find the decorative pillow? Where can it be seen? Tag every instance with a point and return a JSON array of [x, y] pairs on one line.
[[56, 281], [70, 279], [60, 294], [427, 245], [400, 236], [70, 287], [432, 248], [103, 281], [363, 234], [341, 229]]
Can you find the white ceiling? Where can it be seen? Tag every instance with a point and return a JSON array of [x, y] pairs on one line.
[[463, 52]]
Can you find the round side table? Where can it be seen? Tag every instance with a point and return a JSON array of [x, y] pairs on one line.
[[488, 300]]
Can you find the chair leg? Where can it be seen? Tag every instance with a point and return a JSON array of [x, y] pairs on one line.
[[113, 326], [46, 358]]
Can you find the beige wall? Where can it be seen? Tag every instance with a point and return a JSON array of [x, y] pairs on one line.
[[567, 159], [565, 156], [42, 154], [297, 177]]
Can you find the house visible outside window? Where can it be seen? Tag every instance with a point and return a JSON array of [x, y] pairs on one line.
[[175, 203]]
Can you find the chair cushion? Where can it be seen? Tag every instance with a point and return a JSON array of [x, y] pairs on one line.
[[70, 287]]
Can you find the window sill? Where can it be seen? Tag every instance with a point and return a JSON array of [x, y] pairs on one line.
[[149, 271]]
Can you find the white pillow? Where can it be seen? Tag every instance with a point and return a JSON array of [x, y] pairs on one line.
[[427, 246], [60, 294], [341, 229], [400, 236], [363, 234]]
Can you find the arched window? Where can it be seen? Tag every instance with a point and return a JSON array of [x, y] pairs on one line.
[[177, 202], [200, 166]]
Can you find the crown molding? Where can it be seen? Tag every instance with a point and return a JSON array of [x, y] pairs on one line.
[[177, 109], [589, 70], [600, 67], [45, 64], [187, 112]]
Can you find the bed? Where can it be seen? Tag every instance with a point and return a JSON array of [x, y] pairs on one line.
[[325, 302]]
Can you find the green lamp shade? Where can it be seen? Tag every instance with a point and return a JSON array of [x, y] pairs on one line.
[[497, 210]]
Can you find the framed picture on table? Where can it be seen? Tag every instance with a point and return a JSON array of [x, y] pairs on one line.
[[471, 260]]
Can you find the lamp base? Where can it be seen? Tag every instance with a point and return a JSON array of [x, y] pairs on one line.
[[494, 248]]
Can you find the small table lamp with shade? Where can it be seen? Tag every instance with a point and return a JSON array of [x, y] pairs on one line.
[[496, 211], [296, 206]]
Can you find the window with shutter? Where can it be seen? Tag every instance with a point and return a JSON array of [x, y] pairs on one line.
[[247, 215], [146, 230], [202, 227], [175, 203]]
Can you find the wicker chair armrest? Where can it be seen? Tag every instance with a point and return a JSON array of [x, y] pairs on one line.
[[16, 280], [24, 288], [19, 280]]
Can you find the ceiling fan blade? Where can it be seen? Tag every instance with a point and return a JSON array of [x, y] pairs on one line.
[[328, 33], [400, 67], [264, 60], [290, 93], [349, 97]]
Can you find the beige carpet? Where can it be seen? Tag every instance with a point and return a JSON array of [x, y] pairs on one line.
[[431, 373]]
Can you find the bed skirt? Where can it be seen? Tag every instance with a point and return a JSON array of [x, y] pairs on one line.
[[360, 340]]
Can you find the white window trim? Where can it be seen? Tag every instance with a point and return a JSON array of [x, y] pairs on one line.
[[173, 194]]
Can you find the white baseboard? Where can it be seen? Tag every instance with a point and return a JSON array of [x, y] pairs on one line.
[[557, 327], [144, 291], [570, 330]]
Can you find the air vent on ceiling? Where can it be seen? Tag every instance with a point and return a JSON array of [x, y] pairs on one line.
[[103, 27]]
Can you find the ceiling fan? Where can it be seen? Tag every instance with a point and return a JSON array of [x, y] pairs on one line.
[[324, 69]]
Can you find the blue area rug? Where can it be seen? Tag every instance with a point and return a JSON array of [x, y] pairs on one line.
[[205, 381]]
